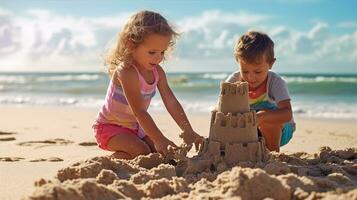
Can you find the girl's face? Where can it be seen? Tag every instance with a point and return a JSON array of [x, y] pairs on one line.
[[255, 73], [151, 51]]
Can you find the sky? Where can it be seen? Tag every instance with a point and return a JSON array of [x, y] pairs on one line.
[[310, 36]]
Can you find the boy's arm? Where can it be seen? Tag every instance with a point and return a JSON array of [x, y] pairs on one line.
[[174, 107], [281, 115], [232, 78]]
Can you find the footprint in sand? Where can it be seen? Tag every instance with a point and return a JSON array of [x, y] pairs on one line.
[[51, 159], [4, 139], [88, 144], [10, 159], [6, 133], [43, 143]]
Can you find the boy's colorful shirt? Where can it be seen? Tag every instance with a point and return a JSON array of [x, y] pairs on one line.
[[258, 96], [259, 99], [268, 95]]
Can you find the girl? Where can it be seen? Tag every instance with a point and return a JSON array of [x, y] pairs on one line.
[[123, 124]]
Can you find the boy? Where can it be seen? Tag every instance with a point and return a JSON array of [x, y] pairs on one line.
[[268, 92]]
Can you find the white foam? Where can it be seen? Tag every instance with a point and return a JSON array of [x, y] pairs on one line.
[[218, 76], [12, 79], [339, 110], [81, 77], [319, 79]]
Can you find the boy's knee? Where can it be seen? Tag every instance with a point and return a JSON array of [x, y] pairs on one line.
[[271, 126], [272, 134]]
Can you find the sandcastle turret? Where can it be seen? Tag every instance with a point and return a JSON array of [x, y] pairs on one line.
[[233, 133], [233, 130], [233, 98], [233, 121], [241, 128]]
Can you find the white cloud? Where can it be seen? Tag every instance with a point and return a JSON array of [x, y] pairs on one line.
[[215, 18], [318, 50], [43, 40], [9, 34], [211, 36]]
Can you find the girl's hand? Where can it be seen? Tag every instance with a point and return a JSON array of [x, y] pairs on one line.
[[198, 141], [190, 137], [161, 145]]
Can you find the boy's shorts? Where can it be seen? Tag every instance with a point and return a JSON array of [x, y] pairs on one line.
[[289, 127], [286, 133], [104, 132]]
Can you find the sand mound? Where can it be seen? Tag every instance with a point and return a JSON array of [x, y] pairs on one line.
[[328, 174]]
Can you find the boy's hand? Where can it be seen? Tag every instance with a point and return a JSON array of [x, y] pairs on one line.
[[260, 116], [192, 137], [161, 145]]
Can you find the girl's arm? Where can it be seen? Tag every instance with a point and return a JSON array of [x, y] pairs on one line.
[[176, 111], [279, 116], [129, 81]]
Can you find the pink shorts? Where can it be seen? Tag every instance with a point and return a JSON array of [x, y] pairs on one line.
[[103, 132]]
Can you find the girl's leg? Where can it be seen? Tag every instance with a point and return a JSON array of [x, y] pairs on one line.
[[272, 135], [127, 145], [150, 143], [121, 155]]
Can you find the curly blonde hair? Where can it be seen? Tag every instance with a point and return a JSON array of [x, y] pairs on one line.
[[133, 33]]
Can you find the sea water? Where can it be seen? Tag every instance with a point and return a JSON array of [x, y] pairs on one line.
[[313, 95]]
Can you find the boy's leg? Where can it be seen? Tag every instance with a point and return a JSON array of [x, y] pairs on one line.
[[128, 144], [272, 135]]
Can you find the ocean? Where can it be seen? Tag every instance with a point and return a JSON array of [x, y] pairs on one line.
[[313, 95]]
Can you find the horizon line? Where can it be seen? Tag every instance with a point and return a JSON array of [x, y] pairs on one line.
[[172, 72]]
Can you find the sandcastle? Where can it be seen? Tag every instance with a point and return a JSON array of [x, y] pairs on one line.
[[233, 135]]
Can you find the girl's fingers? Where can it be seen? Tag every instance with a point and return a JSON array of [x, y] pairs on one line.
[[196, 145], [173, 144], [198, 142], [163, 152]]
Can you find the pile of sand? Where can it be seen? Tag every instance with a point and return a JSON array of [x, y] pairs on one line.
[[328, 174]]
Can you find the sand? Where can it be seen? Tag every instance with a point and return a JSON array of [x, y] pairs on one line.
[[49, 153], [328, 174]]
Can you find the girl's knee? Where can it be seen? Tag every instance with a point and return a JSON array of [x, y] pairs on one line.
[[122, 155], [142, 149]]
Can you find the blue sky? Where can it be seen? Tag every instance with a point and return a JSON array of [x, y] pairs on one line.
[[309, 35]]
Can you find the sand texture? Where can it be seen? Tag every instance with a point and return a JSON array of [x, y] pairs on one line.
[[328, 174], [41, 144]]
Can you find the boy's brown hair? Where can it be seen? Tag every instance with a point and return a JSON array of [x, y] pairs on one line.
[[253, 46]]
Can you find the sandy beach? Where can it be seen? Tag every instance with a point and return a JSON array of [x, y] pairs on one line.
[[223, 61], [36, 142]]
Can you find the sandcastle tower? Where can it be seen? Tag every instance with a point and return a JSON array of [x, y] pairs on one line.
[[233, 130], [233, 135]]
